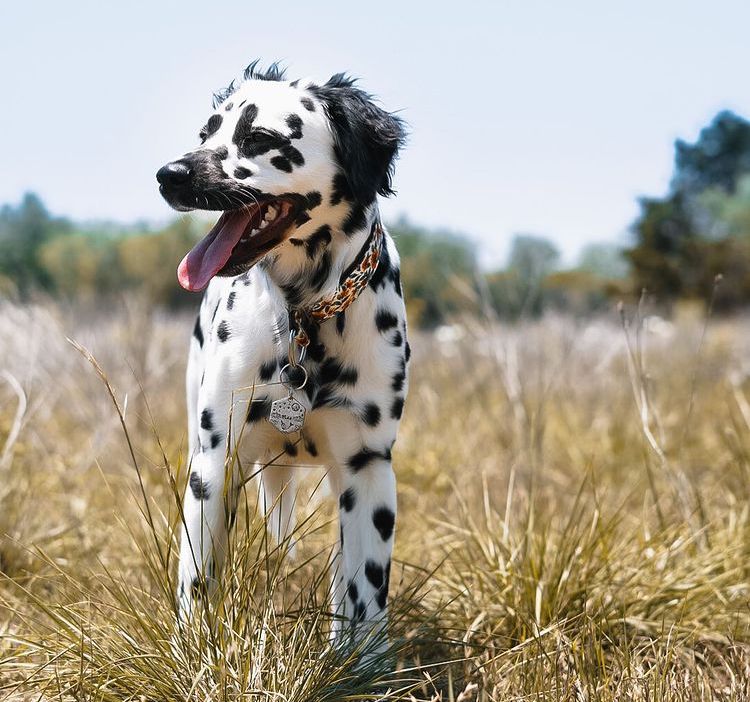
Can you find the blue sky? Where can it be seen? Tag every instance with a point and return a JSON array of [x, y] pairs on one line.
[[545, 118]]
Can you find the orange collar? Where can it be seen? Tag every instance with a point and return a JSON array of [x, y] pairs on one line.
[[347, 291]]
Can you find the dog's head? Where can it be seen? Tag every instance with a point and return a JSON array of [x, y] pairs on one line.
[[280, 159]]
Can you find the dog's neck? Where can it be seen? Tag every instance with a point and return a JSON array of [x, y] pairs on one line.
[[306, 269]]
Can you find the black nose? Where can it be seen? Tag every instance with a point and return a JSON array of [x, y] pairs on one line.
[[173, 174]]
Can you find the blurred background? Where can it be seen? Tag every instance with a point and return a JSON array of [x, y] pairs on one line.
[[561, 156], [573, 474]]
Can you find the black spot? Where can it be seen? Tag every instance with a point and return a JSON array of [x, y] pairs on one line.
[[282, 164], [341, 540], [215, 439], [216, 309], [295, 124], [340, 189], [398, 339], [258, 409], [320, 273], [407, 351], [385, 320], [198, 487], [198, 588], [326, 397], [290, 448], [244, 125], [347, 500], [313, 199], [296, 242], [207, 419], [267, 370], [375, 574], [355, 220], [222, 152], [212, 126], [308, 104], [294, 83], [398, 379], [230, 300], [293, 154], [242, 173], [397, 408], [229, 106], [310, 447], [384, 265], [333, 371], [384, 519], [198, 332], [222, 331], [371, 414], [382, 595], [319, 238], [396, 280], [360, 611], [352, 592], [340, 322], [365, 456]]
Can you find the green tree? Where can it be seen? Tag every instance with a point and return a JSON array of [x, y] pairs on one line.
[[438, 270], [719, 158], [518, 291], [24, 229], [603, 260], [684, 239]]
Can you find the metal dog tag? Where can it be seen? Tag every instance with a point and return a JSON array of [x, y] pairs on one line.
[[287, 415]]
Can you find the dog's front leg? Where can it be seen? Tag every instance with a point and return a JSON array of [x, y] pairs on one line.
[[209, 504], [367, 514]]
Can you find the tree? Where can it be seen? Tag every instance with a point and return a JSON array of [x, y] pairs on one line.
[[719, 158], [23, 230], [603, 260], [437, 270], [683, 239], [518, 290]]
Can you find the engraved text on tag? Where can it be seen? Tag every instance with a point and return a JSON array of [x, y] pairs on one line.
[[287, 415]]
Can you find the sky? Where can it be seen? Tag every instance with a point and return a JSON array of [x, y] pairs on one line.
[[548, 118]]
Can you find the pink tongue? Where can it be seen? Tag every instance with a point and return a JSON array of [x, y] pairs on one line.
[[212, 252]]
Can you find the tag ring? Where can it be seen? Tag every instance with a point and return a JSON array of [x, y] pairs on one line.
[[287, 384], [295, 361]]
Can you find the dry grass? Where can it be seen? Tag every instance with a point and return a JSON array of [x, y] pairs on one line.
[[573, 522]]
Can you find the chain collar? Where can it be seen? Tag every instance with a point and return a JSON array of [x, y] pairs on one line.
[[347, 291]]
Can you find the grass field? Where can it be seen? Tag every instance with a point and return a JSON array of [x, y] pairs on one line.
[[573, 521]]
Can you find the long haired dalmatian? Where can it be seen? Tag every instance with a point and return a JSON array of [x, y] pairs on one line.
[[302, 287]]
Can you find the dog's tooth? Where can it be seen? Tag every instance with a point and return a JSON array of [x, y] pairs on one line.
[[263, 224], [272, 211], [254, 231]]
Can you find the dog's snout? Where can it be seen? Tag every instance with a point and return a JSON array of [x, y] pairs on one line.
[[174, 174]]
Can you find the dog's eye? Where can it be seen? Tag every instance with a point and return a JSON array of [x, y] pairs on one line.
[[264, 134], [261, 141]]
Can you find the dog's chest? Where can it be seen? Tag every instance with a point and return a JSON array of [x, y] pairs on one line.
[[355, 363]]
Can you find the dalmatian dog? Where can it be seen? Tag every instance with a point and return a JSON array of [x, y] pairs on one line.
[[302, 314]]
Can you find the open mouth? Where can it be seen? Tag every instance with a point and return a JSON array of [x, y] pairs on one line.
[[238, 240]]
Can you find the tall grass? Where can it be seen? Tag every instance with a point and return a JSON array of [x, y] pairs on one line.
[[573, 522]]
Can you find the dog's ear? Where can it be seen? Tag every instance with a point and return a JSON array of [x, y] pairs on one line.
[[366, 137]]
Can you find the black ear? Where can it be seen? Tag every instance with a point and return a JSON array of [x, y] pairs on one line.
[[366, 137]]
